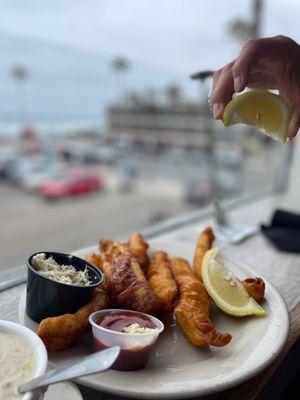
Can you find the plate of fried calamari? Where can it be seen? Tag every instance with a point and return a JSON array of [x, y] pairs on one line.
[[202, 349]]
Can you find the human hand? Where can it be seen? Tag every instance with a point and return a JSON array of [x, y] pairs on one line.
[[268, 63]]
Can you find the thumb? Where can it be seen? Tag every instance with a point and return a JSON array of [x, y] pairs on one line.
[[294, 124]]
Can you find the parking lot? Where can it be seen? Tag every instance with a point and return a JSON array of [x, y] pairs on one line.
[[29, 223]]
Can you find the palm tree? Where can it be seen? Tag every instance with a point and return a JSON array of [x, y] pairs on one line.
[[242, 29], [20, 74], [173, 93], [120, 66]]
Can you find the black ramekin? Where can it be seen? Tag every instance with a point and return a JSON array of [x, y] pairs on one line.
[[48, 298]]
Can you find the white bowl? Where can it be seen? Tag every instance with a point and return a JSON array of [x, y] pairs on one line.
[[39, 351]]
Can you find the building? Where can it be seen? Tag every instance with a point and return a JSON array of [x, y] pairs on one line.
[[180, 126]]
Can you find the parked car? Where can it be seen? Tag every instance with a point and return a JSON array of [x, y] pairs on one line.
[[104, 155], [71, 185], [199, 192], [89, 154], [18, 170]]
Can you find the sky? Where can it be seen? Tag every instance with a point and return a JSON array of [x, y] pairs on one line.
[[68, 44], [159, 32]]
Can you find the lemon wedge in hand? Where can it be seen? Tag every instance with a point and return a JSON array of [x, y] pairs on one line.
[[262, 109], [225, 289]]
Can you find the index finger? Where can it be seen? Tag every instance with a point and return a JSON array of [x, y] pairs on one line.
[[222, 91]]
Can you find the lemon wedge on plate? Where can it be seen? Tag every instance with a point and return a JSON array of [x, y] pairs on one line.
[[225, 289], [266, 111]]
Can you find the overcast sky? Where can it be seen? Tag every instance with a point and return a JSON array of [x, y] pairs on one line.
[[67, 46], [180, 34]]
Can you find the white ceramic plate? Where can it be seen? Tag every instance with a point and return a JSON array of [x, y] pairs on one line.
[[179, 370], [64, 390]]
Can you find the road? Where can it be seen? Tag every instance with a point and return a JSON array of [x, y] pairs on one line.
[[28, 223]]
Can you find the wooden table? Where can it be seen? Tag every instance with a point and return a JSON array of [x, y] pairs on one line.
[[281, 269]]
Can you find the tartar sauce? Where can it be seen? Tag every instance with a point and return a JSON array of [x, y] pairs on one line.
[[16, 364], [61, 273], [137, 328]]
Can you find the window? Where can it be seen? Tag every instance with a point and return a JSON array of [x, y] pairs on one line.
[[102, 131]]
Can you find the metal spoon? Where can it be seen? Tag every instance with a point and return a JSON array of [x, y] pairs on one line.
[[97, 362]]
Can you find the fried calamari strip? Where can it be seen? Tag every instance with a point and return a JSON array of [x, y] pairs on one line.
[[95, 259], [127, 283], [161, 280], [112, 249], [59, 333], [204, 244], [105, 245], [138, 248], [192, 311], [255, 288]]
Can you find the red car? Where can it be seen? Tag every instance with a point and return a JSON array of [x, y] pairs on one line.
[[71, 185]]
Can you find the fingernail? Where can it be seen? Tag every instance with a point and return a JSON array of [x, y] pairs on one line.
[[237, 82], [217, 109]]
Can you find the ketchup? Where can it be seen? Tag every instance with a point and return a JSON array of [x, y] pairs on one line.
[[129, 359], [118, 320]]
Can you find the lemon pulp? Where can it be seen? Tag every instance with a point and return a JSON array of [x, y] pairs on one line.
[[262, 109]]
